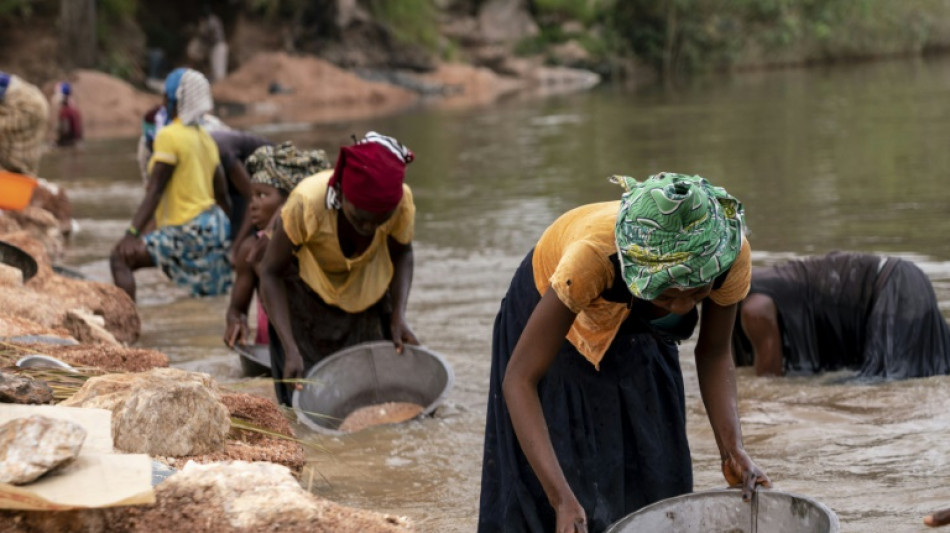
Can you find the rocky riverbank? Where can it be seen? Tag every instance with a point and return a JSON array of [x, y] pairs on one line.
[[312, 90], [236, 456]]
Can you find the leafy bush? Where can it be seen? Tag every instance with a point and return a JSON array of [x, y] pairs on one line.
[[411, 21], [689, 35]]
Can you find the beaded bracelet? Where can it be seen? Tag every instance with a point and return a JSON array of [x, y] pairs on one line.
[[132, 231]]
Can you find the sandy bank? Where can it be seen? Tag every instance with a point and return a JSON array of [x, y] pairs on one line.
[[311, 91]]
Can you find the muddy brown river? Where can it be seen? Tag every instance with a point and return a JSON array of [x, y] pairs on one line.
[[850, 158]]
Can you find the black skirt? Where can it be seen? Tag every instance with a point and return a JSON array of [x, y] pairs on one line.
[[619, 433], [321, 329], [907, 336]]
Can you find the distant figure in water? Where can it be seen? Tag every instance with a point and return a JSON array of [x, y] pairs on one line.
[[874, 314], [69, 124]]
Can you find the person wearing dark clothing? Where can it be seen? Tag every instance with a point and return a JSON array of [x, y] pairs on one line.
[[586, 418], [874, 314], [338, 267], [235, 147]]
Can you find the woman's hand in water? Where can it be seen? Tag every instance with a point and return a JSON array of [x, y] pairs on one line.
[[401, 332], [571, 517], [293, 367], [940, 518], [740, 471], [237, 331]]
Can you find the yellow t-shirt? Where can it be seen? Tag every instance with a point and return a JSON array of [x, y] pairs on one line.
[[190, 190], [573, 258], [352, 284]]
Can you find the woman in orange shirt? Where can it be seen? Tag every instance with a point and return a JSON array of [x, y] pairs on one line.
[[586, 410], [338, 267]]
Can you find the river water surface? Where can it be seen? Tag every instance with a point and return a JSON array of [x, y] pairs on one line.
[[853, 158]]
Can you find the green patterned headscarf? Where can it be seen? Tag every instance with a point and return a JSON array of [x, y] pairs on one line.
[[284, 166], [675, 230]]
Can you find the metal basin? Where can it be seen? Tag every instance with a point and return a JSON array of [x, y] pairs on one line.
[[69, 272], [255, 359], [40, 360], [16, 257], [723, 511], [368, 374]]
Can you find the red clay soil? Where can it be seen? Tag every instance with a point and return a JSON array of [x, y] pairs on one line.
[[47, 297], [105, 357], [13, 325], [321, 92]]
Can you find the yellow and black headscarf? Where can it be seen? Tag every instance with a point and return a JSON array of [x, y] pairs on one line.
[[284, 166]]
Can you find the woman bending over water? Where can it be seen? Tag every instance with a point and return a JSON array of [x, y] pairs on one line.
[[586, 408], [338, 268]]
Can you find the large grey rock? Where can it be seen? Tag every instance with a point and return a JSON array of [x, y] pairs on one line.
[[233, 497], [23, 389], [256, 496], [165, 411], [171, 418], [33, 446]]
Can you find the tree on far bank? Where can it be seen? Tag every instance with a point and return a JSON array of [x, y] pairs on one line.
[[77, 22]]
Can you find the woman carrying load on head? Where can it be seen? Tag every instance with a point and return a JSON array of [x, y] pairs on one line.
[[586, 410], [338, 268]]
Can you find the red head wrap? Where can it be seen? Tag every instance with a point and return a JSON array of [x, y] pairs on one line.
[[371, 173]]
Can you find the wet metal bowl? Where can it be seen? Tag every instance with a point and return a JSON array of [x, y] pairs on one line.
[[40, 360], [771, 511], [368, 374], [255, 359]]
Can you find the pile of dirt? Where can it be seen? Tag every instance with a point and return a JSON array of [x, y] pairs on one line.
[[314, 91], [14, 325], [104, 357], [46, 298]]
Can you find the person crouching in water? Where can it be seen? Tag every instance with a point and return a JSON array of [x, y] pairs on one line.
[[338, 268], [274, 172], [186, 196]]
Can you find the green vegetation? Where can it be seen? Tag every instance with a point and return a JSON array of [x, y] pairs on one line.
[[411, 21], [113, 16], [674, 36], [15, 8], [584, 11], [690, 35]]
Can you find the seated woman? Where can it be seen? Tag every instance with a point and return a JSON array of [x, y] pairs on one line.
[[274, 173], [874, 314], [338, 267]]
